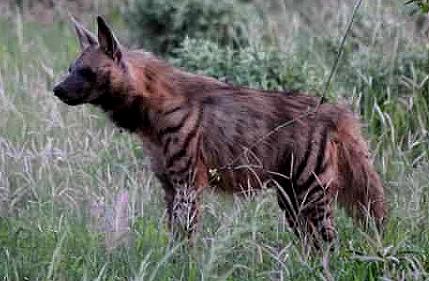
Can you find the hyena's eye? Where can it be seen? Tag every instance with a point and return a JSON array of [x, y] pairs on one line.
[[86, 72], [69, 69]]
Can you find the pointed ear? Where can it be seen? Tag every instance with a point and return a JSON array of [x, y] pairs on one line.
[[86, 37], [107, 40]]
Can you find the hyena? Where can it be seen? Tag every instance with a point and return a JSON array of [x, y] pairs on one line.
[[201, 132]]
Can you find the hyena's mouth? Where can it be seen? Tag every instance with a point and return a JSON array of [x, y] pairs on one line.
[[72, 101], [88, 97]]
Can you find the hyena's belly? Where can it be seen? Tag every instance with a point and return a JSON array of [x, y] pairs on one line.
[[239, 180]]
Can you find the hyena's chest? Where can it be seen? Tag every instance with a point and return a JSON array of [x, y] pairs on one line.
[[173, 157]]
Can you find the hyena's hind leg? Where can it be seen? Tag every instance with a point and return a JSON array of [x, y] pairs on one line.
[[316, 216], [316, 185], [311, 191], [309, 214]]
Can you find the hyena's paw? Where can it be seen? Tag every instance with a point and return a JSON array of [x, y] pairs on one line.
[[322, 236], [317, 232]]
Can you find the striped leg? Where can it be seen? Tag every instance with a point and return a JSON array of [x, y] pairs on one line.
[[185, 211], [315, 181], [180, 140], [183, 204], [315, 216], [310, 215]]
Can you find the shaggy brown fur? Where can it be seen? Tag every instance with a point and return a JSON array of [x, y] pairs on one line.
[[201, 132]]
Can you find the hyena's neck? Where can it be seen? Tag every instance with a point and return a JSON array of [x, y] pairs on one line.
[[140, 101], [126, 111]]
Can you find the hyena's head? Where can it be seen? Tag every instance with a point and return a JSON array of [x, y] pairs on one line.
[[99, 68]]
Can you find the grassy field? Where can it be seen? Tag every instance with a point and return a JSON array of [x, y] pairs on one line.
[[65, 172]]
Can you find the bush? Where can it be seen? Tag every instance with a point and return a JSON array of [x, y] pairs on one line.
[[257, 67], [161, 25]]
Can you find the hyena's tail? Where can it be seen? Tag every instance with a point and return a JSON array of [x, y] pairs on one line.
[[361, 191]]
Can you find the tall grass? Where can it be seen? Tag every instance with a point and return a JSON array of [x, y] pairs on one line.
[[58, 164]]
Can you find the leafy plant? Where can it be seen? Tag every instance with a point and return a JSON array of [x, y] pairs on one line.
[[161, 25], [259, 67], [422, 4]]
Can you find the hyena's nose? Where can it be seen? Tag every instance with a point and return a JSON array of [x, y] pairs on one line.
[[59, 91]]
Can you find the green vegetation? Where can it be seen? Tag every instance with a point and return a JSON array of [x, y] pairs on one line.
[[423, 5], [161, 25], [57, 161]]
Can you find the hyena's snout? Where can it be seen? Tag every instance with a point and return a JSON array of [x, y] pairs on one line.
[[60, 91], [71, 91]]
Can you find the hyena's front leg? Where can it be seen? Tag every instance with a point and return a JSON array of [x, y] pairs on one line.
[[183, 201], [169, 194], [182, 210], [185, 211]]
